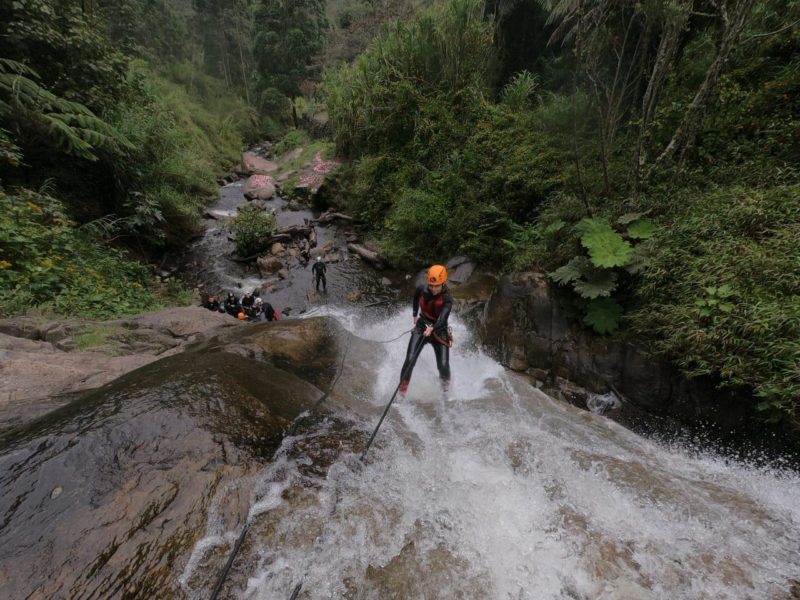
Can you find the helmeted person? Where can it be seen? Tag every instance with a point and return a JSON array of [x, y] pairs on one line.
[[248, 300], [248, 305], [431, 308], [318, 273], [232, 306]]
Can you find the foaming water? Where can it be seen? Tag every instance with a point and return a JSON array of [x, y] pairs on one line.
[[502, 492]]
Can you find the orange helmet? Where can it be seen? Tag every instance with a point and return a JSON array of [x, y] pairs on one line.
[[437, 275], [241, 316]]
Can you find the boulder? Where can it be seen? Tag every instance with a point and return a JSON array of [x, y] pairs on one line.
[[459, 270], [259, 187], [253, 164], [110, 495], [36, 374], [268, 265], [276, 248]]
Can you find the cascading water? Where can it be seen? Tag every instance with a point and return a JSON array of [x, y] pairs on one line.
[[504, 493]]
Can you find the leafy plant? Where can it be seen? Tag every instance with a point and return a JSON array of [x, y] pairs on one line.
[[603, 315], [251, 227], [716, 300], [49, 262], [595, 278]]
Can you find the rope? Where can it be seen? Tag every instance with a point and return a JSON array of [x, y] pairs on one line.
[[394, 338], [417, 350], [224, 573]]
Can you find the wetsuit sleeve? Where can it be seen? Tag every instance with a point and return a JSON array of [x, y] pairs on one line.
[[415, 302], [445, 314]]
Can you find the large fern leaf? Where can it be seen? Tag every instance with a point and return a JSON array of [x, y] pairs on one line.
[[576, 268], [599, 284], [606, 247], [603, 315]]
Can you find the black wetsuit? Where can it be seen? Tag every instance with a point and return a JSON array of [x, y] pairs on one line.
[[269, 313], [232, 306], [249, 306], [432, 310], [318, 270]]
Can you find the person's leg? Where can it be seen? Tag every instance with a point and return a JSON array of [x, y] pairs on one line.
[[443, 364], [408, 366], [324, 284]]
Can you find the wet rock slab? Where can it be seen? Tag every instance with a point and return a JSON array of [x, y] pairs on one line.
[[40, 362], [106, 497]]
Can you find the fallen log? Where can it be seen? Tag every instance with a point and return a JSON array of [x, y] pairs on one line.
[[371, 257], [296, 230], [327, 217]]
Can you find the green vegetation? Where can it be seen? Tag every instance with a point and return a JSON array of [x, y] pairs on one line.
[[110, 139], [251, 227], [51, 263], [643, 154]]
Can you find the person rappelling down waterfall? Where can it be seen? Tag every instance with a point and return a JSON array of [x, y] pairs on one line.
[[431, 308]]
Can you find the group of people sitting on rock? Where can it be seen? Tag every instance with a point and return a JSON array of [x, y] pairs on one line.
[[250, 307]]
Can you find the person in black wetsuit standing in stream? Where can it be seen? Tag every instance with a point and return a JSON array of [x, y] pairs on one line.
[[318, 273], [431, 308]]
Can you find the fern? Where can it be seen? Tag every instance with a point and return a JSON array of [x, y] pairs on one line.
[[68, 124], [599, 284], [606, 247]]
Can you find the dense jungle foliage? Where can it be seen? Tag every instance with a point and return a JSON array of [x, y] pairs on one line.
[[115, 118], [643, 154]]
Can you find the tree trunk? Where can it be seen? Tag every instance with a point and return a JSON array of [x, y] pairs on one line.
[[662, 66], [733, 16]]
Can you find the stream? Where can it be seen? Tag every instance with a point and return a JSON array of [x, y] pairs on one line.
[[505, 493], [499, 493]]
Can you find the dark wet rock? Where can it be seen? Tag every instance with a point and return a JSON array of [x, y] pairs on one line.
[[459, 269], [107, 496], [527, 328], [34, 372]]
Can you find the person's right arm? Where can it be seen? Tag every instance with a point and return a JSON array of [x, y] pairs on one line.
[[415, 303]]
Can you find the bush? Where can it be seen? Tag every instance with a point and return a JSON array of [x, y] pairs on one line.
[[179, 147], [723, 292], [49, 262], [251, 227]]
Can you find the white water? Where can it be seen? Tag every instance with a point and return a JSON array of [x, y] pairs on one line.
[[504, 493]]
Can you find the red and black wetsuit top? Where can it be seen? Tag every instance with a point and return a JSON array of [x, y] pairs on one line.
[[433, 309]]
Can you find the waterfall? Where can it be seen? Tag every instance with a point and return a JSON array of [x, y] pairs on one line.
[[504, 493]]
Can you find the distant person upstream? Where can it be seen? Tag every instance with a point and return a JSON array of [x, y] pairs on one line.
[[318, 273], [430, 308]]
